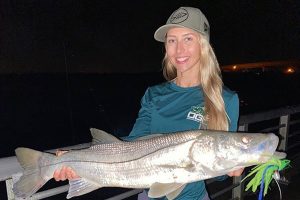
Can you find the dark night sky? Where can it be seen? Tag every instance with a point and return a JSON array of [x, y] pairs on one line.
[[117, 36]]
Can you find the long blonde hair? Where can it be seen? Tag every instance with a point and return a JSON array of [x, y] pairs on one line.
[[211, 83]]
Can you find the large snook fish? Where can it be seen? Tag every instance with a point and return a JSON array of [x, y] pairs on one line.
[[164, 163]]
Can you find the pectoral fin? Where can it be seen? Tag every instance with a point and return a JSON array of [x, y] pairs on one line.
[[80, 186], [171, 190], [175, 193]]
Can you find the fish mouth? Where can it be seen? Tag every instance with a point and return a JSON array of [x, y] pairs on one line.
[[272, 143], [268, 148], [279, 155]]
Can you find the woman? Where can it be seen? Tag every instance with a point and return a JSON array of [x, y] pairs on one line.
[[193, 96]]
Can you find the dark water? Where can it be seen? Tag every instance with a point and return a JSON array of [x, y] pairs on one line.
[[46, 111]]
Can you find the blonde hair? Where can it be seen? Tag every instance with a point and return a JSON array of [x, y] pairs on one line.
[[211, 83]]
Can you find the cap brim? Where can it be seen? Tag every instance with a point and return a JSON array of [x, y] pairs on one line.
[[160, 33]]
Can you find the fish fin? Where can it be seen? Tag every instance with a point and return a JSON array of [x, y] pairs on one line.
[[163, 189], [175, 193], [80, 186], [33, 178], [102, 137]]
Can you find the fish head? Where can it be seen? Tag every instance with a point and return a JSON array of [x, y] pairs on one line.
[[224, 150], [246, 149]]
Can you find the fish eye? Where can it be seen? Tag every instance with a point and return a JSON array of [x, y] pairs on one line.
[[245, 140]]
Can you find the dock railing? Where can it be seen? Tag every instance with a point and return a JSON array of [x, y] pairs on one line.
[[285, 122]]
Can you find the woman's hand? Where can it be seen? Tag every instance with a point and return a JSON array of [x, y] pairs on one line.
[[65, 172], [237, 172]]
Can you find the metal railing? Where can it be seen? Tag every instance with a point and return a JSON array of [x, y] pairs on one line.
[[284, 122]]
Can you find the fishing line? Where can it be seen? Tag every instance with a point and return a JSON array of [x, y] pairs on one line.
[[276, 176], [280, 194]]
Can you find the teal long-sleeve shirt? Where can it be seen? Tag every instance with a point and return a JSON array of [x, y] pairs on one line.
[[169, 108]]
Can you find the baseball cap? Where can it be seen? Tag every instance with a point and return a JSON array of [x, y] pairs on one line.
[[185, 17]]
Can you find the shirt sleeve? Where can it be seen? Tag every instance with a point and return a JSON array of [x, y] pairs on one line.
[[143, 121]]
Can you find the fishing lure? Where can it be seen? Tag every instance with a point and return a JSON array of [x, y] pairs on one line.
[[264, 173]]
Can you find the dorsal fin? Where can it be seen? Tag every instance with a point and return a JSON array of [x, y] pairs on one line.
[[102, 137]]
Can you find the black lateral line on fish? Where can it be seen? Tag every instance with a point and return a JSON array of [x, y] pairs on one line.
[[118, 162]]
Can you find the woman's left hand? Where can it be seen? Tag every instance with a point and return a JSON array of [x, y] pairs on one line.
[[237, 172]]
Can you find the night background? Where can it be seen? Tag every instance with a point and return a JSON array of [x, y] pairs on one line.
[[66, 66], [117, 36]]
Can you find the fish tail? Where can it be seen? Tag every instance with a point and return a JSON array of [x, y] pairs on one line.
[[33, 177]]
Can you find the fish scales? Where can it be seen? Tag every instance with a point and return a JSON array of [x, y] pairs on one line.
[[151, 167], [130, 150], [163, 163]]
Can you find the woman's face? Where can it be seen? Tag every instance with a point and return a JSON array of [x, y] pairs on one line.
[[183, 49]]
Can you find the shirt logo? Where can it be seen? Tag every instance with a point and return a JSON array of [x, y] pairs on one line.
[[197, 114]]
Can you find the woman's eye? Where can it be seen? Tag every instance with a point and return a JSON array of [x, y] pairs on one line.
[[170, 41], [188, 39]]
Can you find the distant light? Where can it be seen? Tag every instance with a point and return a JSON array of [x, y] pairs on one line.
[[234, 67], [289, 70]]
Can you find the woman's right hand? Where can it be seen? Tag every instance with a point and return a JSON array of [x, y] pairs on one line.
[[65, 172]]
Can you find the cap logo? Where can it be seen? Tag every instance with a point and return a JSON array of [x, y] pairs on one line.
[[179, 16], [206, 28]]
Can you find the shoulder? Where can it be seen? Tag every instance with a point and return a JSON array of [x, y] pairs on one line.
[[157, 90], [229, 95]]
